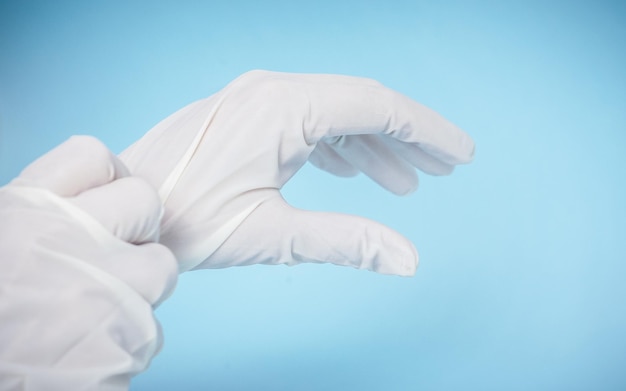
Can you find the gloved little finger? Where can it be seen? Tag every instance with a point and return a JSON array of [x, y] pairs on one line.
[[79, 164], [129, 208]]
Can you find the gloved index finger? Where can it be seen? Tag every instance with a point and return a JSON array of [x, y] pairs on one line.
[[79, 164], [346, 105]]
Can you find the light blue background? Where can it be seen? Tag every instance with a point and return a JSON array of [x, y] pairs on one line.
[[521, 283]]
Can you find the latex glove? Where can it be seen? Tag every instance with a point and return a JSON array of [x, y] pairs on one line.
[[76, 296], [220, 162]]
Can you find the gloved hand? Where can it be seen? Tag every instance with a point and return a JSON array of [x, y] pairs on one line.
[[220, 162], [79, 272]]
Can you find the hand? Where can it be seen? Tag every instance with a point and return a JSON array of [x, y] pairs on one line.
[[220, 164], [79, 272]]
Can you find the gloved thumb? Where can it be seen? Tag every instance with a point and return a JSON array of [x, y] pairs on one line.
[[277, 233], [129, 208]]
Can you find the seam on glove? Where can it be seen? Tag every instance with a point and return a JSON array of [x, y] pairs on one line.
[[172, 179], [211, 245]]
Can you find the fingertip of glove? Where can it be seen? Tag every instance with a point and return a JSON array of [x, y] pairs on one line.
[[406, 263], [391, 254], [404, 188], [467, 151]]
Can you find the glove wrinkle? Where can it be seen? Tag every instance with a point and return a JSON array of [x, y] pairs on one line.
[[170, 182]]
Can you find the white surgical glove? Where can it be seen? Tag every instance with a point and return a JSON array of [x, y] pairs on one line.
[[79, 272], [220, 164]]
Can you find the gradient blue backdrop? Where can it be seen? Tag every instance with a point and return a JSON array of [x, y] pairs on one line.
[[521, 282]]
